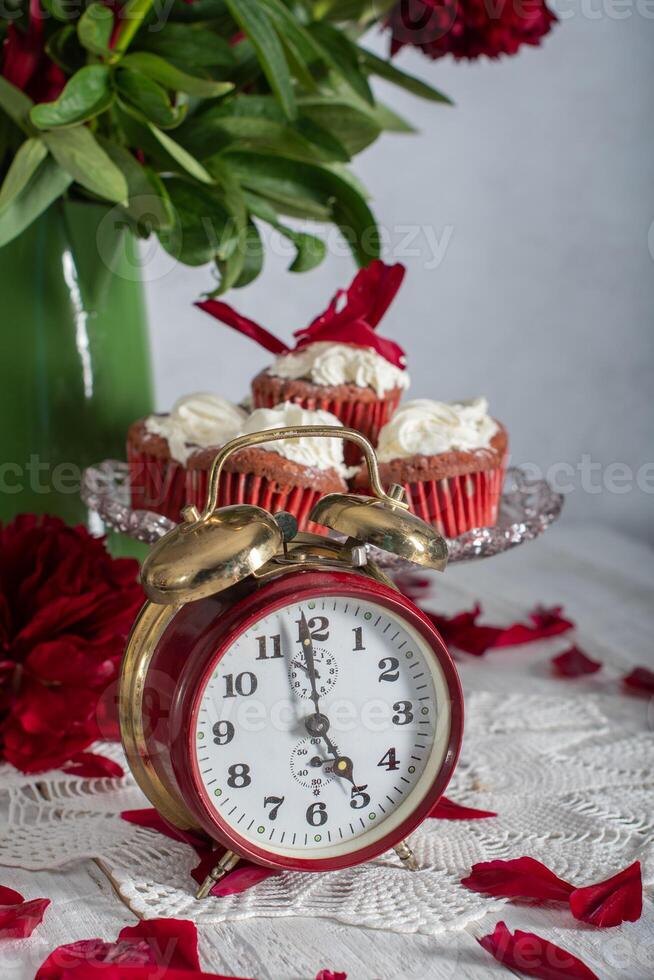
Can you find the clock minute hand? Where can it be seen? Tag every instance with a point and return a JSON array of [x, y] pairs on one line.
[[307, 647]]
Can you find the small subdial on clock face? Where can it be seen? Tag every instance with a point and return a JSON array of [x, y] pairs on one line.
[[326, 672], [309, 765]]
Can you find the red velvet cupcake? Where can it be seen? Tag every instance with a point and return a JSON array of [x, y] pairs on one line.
[[339, 364], [168, 469], [450, 459]]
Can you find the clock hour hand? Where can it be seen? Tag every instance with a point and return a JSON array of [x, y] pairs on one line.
[[318, 726]]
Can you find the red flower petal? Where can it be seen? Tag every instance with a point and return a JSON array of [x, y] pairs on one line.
[[330, 975], [149, 818], [448, 810], [640, 679], [574, 663], [520, 878], [244, 876], [463, 631], [18, 918], [618, 899], [88, 765], [152, 948], [534, 956], [365, 301]]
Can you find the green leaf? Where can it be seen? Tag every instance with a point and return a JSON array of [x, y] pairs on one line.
[[148, 205], [203, 228], [387, 70], [150, 98], [61, 9], [171, 77], [294, 35], [15, 103], [181, 156], [199, 10], [310, 250], [77, 151], [195, 46], [47, 183], [29, 157], [64, 49], [253, 20], [86, 94], [309, 191], [345, 57], [95, 27], [230, 266], [253, 257], [354, 127]]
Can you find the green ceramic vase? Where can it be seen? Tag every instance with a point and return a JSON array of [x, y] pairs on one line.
[[74, 357]]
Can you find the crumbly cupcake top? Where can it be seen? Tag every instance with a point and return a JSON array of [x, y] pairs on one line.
[[321, 454], [327, 363], [428, 428], [197, 421]]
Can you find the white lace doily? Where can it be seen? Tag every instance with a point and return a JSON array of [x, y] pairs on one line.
[[568, 787]]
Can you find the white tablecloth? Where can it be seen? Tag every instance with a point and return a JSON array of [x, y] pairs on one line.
[[592, 738]]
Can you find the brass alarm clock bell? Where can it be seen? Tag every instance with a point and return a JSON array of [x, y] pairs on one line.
[[242, 610]]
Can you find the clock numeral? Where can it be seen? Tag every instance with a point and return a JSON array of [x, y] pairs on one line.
[[358, 639], [318, 628], [390, 669], [404, 714], [223, 732], [389, 761], [317, 814], [239, 775], [274, 802], [276, 641], [359, 799], [244, 684]]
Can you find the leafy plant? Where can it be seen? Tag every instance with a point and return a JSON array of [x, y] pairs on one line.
[[229, 116]]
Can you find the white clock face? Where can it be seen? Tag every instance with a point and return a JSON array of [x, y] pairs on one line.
[[322, 727]]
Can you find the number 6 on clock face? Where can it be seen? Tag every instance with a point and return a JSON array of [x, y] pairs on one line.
[[323, 727]]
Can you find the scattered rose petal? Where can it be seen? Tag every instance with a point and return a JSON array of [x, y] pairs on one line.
[[574, 663], [171, 945], [449, 810], [244, 876], [149, 818], [330, 975], [18, 918], [640, 679], [87, 765], [618, 899], [520, 878], [464, 632], [534, 956]]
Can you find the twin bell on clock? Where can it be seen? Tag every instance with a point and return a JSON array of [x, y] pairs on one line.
[[278, 694]]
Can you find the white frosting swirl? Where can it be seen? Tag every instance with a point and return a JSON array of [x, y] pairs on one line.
[[428, 428], [322, 454], [197, 421], [326, 363]]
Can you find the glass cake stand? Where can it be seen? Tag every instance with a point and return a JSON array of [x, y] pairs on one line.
[[527, 509]]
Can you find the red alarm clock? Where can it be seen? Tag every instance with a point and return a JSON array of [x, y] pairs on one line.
[[278, 693]]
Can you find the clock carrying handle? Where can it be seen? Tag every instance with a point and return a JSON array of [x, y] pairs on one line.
[[296, 432]]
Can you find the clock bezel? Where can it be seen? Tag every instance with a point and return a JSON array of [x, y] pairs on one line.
[[301, 586]]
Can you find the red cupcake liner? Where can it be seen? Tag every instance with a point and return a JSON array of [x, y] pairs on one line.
[[366, 417], [165, 487], [455, 504]]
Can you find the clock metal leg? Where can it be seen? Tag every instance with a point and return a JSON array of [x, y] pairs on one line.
[[406, 856], [226, 863]]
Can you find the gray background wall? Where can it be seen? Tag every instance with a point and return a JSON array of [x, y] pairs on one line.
[[530, 266]]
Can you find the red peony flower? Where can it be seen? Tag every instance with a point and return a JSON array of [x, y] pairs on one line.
[[66, 608], [25, 63], [468, 28]]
